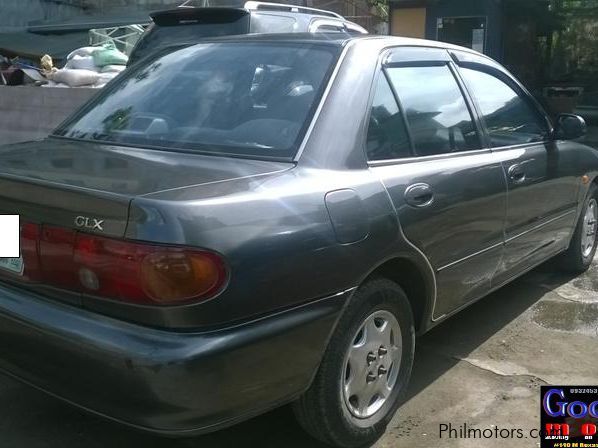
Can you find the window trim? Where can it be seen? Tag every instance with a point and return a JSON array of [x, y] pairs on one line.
[[464, 93], [472, 107], [415, 53], [434, 157], [380, 71], [401, 111]]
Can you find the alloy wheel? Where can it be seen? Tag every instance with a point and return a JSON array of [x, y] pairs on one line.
[[588, 237], [371, 366]]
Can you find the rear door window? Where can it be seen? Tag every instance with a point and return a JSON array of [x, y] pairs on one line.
[[387, 137], [439, 119]]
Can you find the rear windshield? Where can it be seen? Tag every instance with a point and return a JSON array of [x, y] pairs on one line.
[[250, 99]]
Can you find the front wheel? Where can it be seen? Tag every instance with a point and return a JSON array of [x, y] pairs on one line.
[[365, 369], [582, 249]]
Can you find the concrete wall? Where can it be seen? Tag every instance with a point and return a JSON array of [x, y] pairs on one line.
[[436, 9], [30, 113]]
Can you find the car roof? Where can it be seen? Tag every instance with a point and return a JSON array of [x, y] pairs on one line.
[[195, 12], [340, 39], [252, 6], [190, 13]]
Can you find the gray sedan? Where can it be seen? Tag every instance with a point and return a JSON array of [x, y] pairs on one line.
[[253, 221]]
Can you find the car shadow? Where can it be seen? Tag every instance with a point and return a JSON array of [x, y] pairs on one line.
[[37, 420], [444, 346]]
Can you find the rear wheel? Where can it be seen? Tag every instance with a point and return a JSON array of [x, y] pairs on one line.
[[582, 249], [365, 369]]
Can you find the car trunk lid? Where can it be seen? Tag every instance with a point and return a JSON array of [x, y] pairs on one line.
[[67, 191], [78, 184]]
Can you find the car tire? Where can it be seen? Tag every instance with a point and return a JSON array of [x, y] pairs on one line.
[[579, 256], [345, 405]]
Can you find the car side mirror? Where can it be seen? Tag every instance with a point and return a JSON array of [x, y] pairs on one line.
[[570, 127]]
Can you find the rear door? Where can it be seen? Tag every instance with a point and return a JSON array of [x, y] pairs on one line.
[[447, 187], [542, 183]]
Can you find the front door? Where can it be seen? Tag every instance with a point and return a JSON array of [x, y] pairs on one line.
[[542, 184], [448, 190]]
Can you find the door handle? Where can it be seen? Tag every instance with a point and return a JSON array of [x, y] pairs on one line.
[[516, 174], [419, 195]]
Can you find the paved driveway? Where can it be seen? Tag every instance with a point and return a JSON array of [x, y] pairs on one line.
[[482, 367]]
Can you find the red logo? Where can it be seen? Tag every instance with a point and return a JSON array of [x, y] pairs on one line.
[[557, 429], [588, 429]]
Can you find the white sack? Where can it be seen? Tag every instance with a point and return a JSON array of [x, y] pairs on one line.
[[83, 51], [82, 63], [75, 77]]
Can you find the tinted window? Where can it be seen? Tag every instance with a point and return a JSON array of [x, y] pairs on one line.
[[249, 99], [510, 119], [438, 117], [330, 29], [387, 135], [268, 23]]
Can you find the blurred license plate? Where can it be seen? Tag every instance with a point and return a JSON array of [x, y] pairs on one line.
[[14, 265]]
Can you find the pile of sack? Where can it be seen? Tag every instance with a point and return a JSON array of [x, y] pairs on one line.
[[86, 67]]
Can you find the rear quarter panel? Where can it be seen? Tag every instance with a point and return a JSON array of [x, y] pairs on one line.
[[276, 236]]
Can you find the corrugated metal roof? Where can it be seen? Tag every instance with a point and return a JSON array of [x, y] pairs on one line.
[[84, 23], [34, 46]]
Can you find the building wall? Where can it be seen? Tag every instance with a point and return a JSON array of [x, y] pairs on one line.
[[409, 22], [357, 11], [437, 9], [492, 9]]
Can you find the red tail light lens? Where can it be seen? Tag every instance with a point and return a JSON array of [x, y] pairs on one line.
[[170, 275], [145, 273], [127, 271], [29, 251]]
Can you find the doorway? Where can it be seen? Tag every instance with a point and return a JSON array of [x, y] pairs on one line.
[[467, 32]]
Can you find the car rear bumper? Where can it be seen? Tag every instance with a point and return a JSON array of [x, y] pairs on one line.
[[161, 381]]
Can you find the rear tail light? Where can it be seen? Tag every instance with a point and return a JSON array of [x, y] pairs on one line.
[[127, 271]]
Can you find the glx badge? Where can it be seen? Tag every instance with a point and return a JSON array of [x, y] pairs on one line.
[[89, 223]]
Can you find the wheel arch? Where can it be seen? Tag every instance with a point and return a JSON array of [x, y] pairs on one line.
[[416, 278]]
